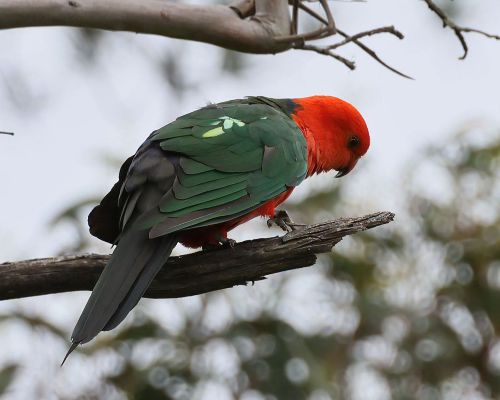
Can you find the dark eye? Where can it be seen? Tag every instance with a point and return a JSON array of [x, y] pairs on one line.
[[353, 142]]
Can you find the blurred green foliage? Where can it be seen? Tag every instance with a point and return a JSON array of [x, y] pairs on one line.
[[7, 375]]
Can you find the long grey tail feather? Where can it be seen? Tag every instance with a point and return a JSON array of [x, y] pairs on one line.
[[139, 287], [133, 265]]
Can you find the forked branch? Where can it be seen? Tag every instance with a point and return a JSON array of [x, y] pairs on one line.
[[191, 274], [328, 50], [457, 29], [250, 26]]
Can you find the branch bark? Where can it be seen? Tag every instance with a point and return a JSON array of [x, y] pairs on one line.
[[216, 24], [191, 274]]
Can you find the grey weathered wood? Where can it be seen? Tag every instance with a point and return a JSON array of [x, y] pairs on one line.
[[191, 274], [211, 23]]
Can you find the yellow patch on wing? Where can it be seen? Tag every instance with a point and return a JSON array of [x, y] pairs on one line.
[[213, 132], [227, 124]]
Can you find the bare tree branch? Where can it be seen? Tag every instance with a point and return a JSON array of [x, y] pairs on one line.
[[328, 49], [327, 52], [250, 26], [354, 39], [374, 55], [458, 30], [194, 273], [216, 24]]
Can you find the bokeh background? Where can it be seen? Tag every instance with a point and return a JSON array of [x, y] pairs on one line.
[[405, 311]]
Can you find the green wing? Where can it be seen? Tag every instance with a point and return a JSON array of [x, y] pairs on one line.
[[231, 158]]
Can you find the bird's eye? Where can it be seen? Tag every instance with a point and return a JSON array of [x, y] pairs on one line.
[[353, 142]]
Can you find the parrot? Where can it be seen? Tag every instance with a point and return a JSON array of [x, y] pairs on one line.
[[200, 176]]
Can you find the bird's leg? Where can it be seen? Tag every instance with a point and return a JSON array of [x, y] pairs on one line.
[[282, 219], [222, 241], [226, 242]]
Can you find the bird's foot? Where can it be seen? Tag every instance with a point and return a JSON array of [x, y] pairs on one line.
[[282, 219], [228, 243], [223, 243]]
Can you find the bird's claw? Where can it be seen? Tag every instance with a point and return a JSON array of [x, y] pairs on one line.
[[228, 243], [282, 219], [224, 243]]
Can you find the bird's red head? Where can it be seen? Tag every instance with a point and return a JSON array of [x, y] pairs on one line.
[[336, 133]]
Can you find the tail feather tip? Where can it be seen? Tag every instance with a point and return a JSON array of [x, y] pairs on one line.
[[73, 346]]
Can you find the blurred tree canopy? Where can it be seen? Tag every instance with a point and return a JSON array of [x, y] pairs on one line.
[[387, 315]]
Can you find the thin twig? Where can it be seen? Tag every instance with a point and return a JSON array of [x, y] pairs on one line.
[[457, 29], [384, 29], [374, 55], [7, 133], [329, 17], [361, 45], [327, 52], [326, 30], [295, 17]]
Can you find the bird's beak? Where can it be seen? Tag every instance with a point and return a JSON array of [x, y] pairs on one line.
[[344, 171]]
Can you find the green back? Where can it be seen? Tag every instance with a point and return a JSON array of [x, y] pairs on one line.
[[234, 156]]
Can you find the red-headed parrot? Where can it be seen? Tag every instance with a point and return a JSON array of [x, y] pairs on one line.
[[203, 174]]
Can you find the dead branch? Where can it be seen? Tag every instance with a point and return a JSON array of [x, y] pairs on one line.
[[327, 52], [191, 274], [348, 39], [250, 26], [458, 30], [374, 55], [384, 29], [328, 49], [216, 24]]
